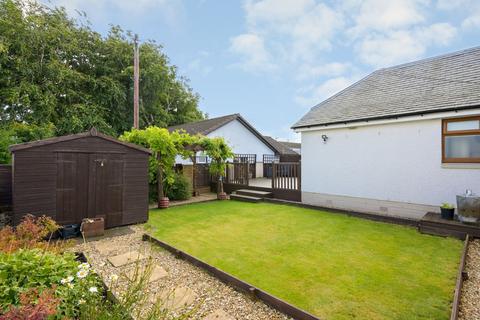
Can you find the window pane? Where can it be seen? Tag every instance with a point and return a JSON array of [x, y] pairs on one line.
[[462, 146], [463, 125]]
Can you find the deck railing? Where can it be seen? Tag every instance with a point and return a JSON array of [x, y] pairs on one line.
[[237, 173], [286, 175]]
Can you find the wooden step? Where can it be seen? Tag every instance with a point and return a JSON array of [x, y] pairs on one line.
[[254, 193], [240, 197]]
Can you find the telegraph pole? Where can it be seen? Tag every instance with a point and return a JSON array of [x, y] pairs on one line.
[[136, 76]]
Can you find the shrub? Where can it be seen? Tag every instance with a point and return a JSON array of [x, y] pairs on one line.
[[25, 270], [180, 189], [31, 233], [34, 306]]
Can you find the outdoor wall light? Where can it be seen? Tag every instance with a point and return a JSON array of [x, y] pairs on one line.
[[324, 138]]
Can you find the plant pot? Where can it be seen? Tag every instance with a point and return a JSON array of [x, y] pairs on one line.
[[164, 203], [93, 227], [222, 196], [70, 231], [447, 213]]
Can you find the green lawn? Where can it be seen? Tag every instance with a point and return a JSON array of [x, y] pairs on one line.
[[332, 265]]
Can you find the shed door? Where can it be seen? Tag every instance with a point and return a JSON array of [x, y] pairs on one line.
[[106, 187], [72, 187]]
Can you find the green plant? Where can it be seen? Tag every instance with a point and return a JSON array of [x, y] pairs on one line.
[[26, 269], [447, 205], [32, 232], [33, 306], [180, 189]]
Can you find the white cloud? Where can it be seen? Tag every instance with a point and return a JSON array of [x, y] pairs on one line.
[[275, 11], [172, 11], [381, 50], [384, 15], [472, 22], [251, 48], [332, 69], [312, 95], [293, 31], [452, 4], [314, 31]]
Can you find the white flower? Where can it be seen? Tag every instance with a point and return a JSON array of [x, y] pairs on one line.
[[82, 273], [81, 301], [84, 266], [113, 277], [66, 280], [93, 289]]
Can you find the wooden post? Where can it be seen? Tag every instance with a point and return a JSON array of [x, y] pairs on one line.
[[160, 193], [136, 76], [299, 176], [194, 183], [273, 174]]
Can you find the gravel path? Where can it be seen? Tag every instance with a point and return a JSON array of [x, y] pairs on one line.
[[211, 295], [470, 298]]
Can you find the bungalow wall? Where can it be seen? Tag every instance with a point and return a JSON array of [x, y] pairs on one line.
[[391, 169]]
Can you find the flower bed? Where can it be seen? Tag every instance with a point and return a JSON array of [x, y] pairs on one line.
[[41, 279]]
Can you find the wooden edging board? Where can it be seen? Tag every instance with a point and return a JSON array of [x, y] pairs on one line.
[[274, 302], [368, 216], [461, 276]]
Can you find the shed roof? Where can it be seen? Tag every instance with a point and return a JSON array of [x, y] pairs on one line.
[[91, 133], [204, 127], [443, 83]]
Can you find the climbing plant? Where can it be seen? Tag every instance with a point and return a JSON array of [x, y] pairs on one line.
[[166, 146]]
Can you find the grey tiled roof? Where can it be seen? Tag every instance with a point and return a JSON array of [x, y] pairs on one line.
[[204, 127], [442, 83], [280, 147]]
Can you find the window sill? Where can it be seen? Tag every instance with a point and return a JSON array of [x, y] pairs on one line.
[[461, 165]]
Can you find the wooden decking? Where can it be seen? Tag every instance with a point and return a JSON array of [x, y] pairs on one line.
[[432, 223]]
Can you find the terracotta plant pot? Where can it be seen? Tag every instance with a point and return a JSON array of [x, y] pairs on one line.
[[163, 203], [222, 196], [93, 227]]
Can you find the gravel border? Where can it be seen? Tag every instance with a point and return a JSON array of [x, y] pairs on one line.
[[212, 294], [470, 297]]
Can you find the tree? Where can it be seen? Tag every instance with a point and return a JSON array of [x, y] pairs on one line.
[[18, 133], [55, 70]]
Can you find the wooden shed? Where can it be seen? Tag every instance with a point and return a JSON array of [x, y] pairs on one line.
[[82, 175]]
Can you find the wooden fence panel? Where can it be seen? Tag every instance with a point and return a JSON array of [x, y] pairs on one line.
[[238, 173], [286, 175], [5, 185]]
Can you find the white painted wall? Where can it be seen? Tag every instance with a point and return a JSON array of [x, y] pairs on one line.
[[241, 140], [398, 161]]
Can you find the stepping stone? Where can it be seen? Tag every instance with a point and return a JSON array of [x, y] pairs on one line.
[[177, 299], [125, 258], [218, 314], [156, 273], [105, 247]]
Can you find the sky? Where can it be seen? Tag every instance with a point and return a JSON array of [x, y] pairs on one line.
[[272, 60]]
